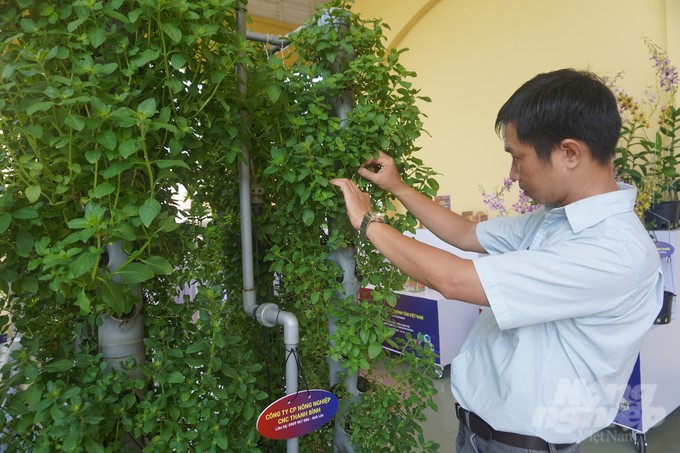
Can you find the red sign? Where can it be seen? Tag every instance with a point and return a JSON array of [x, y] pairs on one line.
[[297, 414]]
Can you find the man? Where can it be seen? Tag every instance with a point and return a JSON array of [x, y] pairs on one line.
[[572, 287]]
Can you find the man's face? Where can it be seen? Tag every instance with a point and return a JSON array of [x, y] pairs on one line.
[[537, 178]]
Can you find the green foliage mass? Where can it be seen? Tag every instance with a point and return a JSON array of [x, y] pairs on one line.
[[107, 108]]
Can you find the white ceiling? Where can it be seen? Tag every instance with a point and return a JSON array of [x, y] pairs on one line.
[[293, 12]]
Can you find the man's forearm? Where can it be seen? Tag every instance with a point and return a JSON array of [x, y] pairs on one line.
[[454, 277], [443, 223]]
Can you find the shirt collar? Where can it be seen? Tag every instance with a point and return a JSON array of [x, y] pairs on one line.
[[585, 213]]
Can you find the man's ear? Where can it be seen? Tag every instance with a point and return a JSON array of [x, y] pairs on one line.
[[572, 152]]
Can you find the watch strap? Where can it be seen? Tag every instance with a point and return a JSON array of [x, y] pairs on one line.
[[369, 218]]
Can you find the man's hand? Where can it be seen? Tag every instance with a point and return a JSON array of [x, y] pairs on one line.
[[358, 203], [382, 172]]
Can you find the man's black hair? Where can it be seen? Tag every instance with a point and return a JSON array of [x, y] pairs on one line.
[[564, 104]]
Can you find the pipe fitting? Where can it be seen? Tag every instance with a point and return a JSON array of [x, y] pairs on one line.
[[267, 314]]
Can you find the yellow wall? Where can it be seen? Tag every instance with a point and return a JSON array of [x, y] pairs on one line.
[[471, 55], [269, 26]]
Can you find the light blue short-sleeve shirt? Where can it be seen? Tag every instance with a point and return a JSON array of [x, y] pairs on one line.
[[572, 291]]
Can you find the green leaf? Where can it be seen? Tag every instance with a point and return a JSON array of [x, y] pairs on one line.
[[195, 363], [107, 68], [167, 163], [374, 350], [107, 139], [34, 130], [167, 225], [159, 265], [149, 210], [83, 302], [363, 335], [117, 168], [5, 221], [274, 92], [308, 217], [221, 440], [72, 26], [129, 147], [134, 273], [147, 107], [197, 346], [31, 371], [39, 107], [72, 440], [30, 285], [175, 377], [248, 412], [173, 32], [177, 60], [7, 72], [24, 243], [33, 193], [78, 223], [145, 57], [75, 122], [26, 213], [32, 395], [97, 36], [104, 189], [28, 25], [93, 155], [92, 446], [58, 365], [83, 264], [113, 297], [124, 231], [94, 213]]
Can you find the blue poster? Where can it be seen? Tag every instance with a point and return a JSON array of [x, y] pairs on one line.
[[630, 411], [419, 318]]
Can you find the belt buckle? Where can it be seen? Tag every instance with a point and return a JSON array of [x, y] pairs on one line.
[[460, 412]]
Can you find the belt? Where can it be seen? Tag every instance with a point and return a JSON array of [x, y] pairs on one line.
[[486, 432]]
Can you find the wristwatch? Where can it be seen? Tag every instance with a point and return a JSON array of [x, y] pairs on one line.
[[366, 221]]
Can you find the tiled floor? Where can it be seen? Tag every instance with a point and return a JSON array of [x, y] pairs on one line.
[[442, 427]]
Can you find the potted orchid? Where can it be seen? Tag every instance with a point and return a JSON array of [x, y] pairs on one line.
[[649, 143]]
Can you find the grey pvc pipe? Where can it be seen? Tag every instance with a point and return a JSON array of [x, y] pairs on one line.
[[249, 299], [267, 314], [276, 43], [345, 258]]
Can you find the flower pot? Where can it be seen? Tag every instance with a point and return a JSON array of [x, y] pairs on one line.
[[664, 316], [663, 215]]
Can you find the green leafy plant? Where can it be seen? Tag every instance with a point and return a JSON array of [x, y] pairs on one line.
[[298, 143], [107, 111], [647, 155]]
